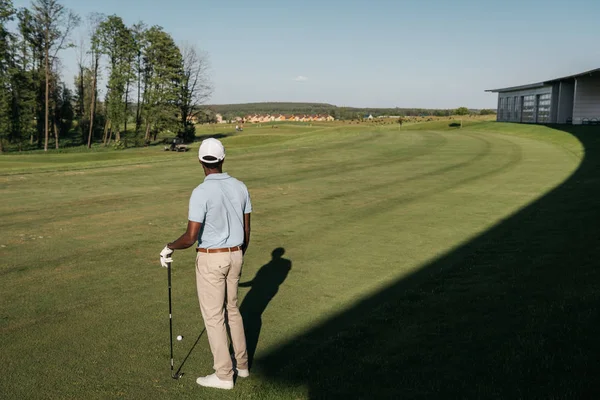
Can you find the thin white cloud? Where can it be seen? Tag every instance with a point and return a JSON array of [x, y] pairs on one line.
[[300, 78]]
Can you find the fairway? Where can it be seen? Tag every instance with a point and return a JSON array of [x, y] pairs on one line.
[[415, 253]]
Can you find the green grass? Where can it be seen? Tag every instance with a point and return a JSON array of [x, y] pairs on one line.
[[427, 262]]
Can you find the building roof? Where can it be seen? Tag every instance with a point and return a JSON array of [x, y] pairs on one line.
[[543, 83]]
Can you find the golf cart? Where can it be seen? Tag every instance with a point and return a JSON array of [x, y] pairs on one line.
[[177, 145]]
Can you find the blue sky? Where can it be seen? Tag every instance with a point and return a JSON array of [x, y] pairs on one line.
[[376, 53]]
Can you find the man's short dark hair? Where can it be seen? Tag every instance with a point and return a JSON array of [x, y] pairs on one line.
[[212, 165]]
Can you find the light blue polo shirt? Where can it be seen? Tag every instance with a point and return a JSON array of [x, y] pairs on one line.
[[219, 204]]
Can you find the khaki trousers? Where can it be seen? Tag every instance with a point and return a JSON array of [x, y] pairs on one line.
[[217, 278]]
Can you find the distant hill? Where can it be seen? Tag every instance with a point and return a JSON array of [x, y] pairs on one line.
[[239, 110]]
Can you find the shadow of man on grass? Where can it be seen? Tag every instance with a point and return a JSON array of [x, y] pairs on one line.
[[265, 286]]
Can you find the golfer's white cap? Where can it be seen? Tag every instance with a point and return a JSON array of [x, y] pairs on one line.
[[211, 151]]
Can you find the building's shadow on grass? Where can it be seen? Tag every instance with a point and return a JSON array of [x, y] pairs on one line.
[[514, 313], [264, 287]]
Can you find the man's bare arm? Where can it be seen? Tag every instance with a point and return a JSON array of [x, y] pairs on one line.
[[246, 232], [188, 238]]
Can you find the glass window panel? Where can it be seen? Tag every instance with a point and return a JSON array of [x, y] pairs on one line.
[[543, 109], [528, 114]]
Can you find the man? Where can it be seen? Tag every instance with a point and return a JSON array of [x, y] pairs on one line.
[[219, 219]]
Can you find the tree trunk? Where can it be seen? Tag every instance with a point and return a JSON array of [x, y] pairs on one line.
[[138, 112], [81, 103], [106, 127], [39, 107], [55, 135], [126, 106], [155, 133], [110, 133], [147, 136], [93, 106], [47, 92]]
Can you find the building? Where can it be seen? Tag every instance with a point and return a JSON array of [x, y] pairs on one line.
[[572, 99]]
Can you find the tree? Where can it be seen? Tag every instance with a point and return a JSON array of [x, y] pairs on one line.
[[334, 113], [194, 90], [94, 21], [63, 109], [6, 56], [31, 64], [487, 112], [130, 49], [139, 42], [23, 97], [117, 43], [80, 93], [83, 83], [461, 111], [7, 13], [56, 23], [228, 117], [163, 68]]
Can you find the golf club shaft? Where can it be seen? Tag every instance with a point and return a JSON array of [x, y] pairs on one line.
[[170, 317]]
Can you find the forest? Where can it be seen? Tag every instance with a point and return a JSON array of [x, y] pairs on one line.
[[133, 82]]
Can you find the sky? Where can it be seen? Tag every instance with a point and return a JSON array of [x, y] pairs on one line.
[[369, 53]]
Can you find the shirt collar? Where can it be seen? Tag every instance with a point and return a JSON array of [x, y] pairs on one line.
[[220, 176]]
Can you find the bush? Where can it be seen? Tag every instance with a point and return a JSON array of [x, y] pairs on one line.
[[461, 111]]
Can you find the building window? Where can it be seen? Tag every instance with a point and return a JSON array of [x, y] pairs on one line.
[[543, 109], [509, 108], [517, 114], [503, 109], [528, 113]]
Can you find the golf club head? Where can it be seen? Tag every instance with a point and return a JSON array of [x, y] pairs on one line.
[[177, 375]]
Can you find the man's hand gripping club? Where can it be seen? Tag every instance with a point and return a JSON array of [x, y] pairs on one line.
[[165, 256]]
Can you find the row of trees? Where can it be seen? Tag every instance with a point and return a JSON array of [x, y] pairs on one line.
[[243, 109], [151, 84]]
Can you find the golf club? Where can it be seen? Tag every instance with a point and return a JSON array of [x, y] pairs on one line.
[[189, 352], [177, 374]]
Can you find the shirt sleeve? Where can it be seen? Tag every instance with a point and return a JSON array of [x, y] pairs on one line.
[[197, 208], [248, 205]]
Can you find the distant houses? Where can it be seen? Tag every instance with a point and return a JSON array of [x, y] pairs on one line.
[[264, 118]]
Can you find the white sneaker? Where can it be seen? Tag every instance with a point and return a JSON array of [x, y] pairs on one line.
[[214, 381], [243, 373]]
